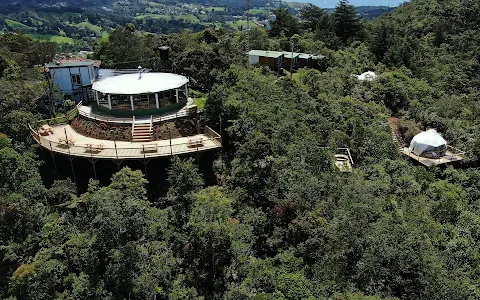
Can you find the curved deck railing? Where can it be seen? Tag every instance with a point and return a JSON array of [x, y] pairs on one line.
[[63, 119], [106, 149], [129, 120], [183, 112]]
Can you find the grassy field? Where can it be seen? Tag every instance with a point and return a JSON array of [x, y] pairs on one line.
[[89, 26], [200, 102], [199, 98], [55, 15], [241, 24], [153, 16], [215, 8], [51, 38], [186, 18], [216, 25], [265, 12], [16, 25]]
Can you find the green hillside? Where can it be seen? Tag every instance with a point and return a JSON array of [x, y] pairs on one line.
[[51, 38], [16, 25]]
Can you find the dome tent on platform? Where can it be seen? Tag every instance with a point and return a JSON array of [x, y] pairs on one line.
[[429, 144]]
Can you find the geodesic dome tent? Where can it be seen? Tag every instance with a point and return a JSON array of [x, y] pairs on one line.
[[428, 144], [367, 76]]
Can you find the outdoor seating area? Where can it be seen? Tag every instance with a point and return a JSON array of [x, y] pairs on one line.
[[94, 148], [45, 130], [195, 142], [65, 140], [150, 148]]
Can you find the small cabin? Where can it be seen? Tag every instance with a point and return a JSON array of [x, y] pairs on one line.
[[276, 59], [272, 59], [74, 78], [289, 59]]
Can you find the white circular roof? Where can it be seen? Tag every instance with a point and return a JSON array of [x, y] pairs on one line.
[[426, 140], [430, 137], [132, 84]]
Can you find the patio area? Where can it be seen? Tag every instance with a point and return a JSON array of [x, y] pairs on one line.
[[63, 139], [449, 157]]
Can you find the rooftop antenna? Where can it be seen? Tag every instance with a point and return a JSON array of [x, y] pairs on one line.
[[139, 72]]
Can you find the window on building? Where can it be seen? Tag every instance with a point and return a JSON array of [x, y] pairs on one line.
[[76, 79]]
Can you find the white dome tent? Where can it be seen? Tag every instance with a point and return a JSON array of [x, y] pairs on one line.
[[367, 76], [428, 144]]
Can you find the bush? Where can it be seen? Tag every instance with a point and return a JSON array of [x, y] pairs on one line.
[[408, 129]]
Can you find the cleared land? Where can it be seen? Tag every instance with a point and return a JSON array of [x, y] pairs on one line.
[[16, 25], [89, 26], [186, 18], [51, 38], [241, 24]]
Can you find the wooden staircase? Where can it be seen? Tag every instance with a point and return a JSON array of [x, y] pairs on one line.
[[142, 132]]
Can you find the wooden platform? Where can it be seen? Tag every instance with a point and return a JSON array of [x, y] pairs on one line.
[[82, 146], [450, 157]]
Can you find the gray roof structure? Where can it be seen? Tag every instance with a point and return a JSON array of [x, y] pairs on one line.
[[272, 54], [70, 64], [276, 54], [289, 54]]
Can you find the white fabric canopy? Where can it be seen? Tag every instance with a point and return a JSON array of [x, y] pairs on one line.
[[367, 76], [429, 139], [133, 84]]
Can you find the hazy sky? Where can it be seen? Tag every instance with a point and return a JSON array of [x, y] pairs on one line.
[[333, 3]]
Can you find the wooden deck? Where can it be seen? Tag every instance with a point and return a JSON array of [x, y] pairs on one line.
[[84, 146], [448, 158]]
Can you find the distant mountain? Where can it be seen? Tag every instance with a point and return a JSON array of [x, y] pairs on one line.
[[333, 3], [369, 12], [96, 3]]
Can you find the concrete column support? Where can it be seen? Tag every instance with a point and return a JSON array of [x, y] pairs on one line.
[[131, 102], [186, 90], [109, 102], [96, 96], [156, 100], [176, 94]]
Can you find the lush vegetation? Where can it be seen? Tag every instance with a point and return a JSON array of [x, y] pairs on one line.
[[282, 222]]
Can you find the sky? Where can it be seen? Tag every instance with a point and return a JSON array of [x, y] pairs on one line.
[[333, 3]]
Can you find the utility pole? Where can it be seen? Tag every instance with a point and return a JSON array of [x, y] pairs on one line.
[[291, 62], [247, 7]]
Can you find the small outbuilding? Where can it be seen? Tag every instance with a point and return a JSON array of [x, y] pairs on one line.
[[272, 59], [74, 77], [430, 148], [428, 144]]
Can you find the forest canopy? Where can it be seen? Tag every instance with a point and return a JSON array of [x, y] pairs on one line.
[[280, 222]]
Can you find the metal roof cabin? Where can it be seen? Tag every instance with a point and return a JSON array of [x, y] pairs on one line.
[[74, 77]]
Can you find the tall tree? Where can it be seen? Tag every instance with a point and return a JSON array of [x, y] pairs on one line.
[[312, 17], [347, 25], [284, 22]]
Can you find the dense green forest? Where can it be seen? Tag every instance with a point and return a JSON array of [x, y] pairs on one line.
[[282, 222]]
